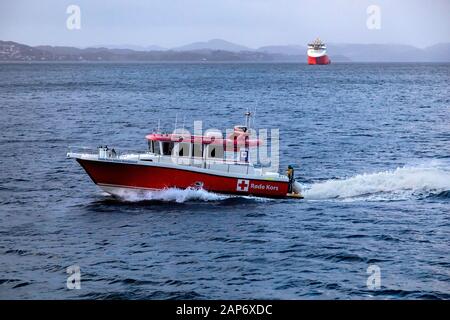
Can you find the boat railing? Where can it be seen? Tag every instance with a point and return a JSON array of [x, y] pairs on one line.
[[104, 152], [82, 150]]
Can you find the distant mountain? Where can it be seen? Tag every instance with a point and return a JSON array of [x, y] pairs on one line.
[[12, 51], [391, 52], [377, 52], [154, 48], [220, 50], [287, 49], [438, 52], [72, 51], [132, 47], [214, 44], [59, 50]]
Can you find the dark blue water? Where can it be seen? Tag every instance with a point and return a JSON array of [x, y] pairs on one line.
[[371, 144]]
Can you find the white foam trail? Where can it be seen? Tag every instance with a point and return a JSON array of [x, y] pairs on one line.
[[173, 195], [401, 183]]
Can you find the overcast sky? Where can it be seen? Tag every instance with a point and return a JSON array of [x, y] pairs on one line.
[[252, 23]]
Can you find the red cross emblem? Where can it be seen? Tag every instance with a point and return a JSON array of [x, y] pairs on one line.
[[242, 185]]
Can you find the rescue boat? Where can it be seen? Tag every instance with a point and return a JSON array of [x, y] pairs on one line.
[[183, 161]]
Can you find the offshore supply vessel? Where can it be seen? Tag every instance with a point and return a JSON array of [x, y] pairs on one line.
[[317, 53]]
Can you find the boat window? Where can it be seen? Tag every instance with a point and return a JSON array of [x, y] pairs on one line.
[[184, 149], [215, 152], [150, 145], [167, 148], [156, 148]]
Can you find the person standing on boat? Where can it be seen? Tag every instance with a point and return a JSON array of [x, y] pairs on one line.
[[290, 175]]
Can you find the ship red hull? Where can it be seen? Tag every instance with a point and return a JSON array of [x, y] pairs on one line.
[[147, 177], [319, 60]]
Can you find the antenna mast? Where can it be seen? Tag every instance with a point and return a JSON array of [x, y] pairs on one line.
[[247, 119]]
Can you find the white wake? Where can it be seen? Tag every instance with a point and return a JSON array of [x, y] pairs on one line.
[[169, 195], [401, 183], [176, 195]]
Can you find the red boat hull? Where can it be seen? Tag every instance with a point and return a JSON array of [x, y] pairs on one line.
[[319, 60], [148, 177]]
